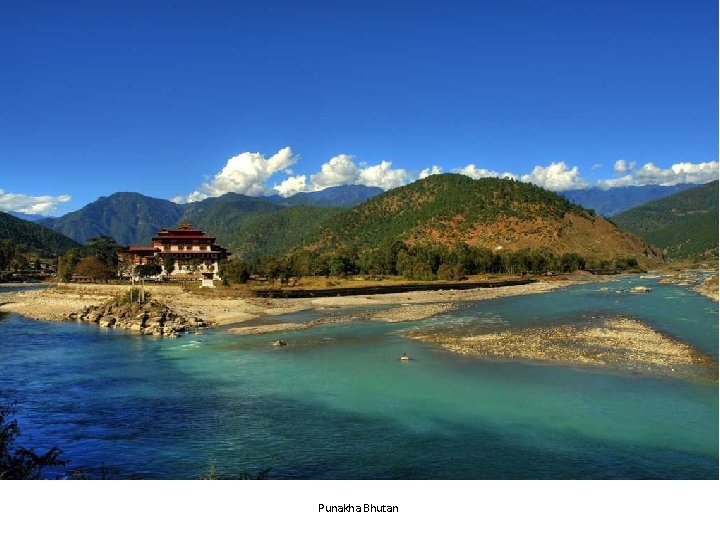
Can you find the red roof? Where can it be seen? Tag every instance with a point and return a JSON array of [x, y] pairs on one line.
[[184, 237], [183, 232]]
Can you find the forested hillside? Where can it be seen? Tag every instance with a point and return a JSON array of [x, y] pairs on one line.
[[129, 218], [685, 224], [33, 237], [608, 202], [447, 226], [277, 232], [133, 218], [490, 212]]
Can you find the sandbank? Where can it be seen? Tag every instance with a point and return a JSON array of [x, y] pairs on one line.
[[617, 342]]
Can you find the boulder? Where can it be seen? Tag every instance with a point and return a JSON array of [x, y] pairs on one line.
[[107, 321], [640, 289]]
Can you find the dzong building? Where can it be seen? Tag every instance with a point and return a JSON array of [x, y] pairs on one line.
[[192, 252]]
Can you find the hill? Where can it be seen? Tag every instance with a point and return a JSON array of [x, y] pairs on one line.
[[498, 214], [277, 232], [35, 218], [133, 218], [608, 202], [129, 218], [337, 196], [223, 216], [33, 237], [685, 224]]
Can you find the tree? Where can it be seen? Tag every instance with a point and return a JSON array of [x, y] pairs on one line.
[[104, 248], [16, 462], [94, 268], [67, 263], [339, 265], [168, 263], [235, 270], [148, 270], [7, 253]]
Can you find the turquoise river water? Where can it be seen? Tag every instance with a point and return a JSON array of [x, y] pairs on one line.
[[337, 403]]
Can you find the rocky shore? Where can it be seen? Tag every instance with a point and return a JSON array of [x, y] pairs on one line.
[[615, 342], [698, 282], [151, 318], [708, 288]]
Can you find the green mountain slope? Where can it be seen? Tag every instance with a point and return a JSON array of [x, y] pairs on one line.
[[338, 196], [608, 202], [129, 218], [223, 216], [686, 224], [33, 237], [277, 232], [133, 218], [499, 214]]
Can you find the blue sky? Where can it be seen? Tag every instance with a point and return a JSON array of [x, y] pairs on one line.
[[193, 99]]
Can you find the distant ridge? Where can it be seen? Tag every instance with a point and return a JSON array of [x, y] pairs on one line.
[[32, 236], [685, 224], [608, 202], [133, 218], [29, 217], [338, 196], [127, 217]]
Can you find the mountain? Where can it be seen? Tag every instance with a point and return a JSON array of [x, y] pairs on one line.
[[133, 218], [223, 216], [499, 214], [277, 232], [35, 218], [130, 218], [33, 237], [608, 202], [345, 196], [686, 224]]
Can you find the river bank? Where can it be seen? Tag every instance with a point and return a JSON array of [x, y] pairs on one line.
[[56, 303]]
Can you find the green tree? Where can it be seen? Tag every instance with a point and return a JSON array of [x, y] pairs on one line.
[[148, 270], [168, 263], [104, 248], [66, 264], [339, 265], [7, 253]]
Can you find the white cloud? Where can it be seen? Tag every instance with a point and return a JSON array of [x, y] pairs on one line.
[[435, 169], [556, 177], [292, 185], [383, 176], [30, 204], [596, 166], [678, 173], [341, 169], [472, 171], [622, 166], [245, 173]]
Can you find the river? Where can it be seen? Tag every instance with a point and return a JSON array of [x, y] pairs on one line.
[[337, 403]]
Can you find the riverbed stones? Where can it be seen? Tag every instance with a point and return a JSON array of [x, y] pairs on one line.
[[611, 342], [151, 318], [107, 321]]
